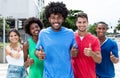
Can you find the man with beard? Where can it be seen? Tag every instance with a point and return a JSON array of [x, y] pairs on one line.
[[55, 43], [89, 50]]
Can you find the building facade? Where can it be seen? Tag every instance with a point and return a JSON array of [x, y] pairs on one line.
[[16, 11], [20, 8]]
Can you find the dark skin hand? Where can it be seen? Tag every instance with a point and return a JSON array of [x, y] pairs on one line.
[[113, 58], [27, 60], [74, 52]]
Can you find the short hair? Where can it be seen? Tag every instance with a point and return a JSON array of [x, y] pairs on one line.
[[55, 8], [101, 22], [82, 15], [14, 30], [29, 21]]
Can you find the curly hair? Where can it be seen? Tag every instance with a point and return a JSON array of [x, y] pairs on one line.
[[29, 21], [55, 8]]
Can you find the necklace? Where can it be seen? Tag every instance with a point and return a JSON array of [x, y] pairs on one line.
[[15, 47]]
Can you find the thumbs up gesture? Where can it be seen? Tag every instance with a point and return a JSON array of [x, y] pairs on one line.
[[16, 55], [40, 54], [30, 60], [113, 58], [74, 52], [88, 51]]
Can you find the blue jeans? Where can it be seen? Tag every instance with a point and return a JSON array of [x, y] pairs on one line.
[[16, 72]]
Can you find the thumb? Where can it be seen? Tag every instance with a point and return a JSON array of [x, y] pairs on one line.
[[72, 48], [74, 45], [28, 57], [111, 53], [41, 49], [89, 45]]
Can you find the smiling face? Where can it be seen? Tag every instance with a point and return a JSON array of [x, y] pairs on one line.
[[82, 24], [56, 21], [101, 30], [14, 37], [34, 29]]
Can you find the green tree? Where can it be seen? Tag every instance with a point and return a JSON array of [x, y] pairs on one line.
[[92, 29], [7, 27], [118, 25]]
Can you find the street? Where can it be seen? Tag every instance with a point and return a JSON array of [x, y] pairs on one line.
[[3, 70]]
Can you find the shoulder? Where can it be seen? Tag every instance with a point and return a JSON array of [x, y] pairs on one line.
[[45, 29], [92, 36], [26, 45], [7, 47], [67, 30], [21, 46], [111, 41]]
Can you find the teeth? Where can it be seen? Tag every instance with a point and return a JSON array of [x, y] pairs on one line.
[[36, 31], [56, 24]]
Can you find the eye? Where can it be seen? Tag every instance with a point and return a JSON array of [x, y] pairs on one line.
[[84, 22], [79, 22], [103, 28], [11, 36], [99, 28], [52, 18]]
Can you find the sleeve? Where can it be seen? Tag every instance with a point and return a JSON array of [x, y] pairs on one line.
[[39, 43], [74, 43], [115, 49], [96, 45]]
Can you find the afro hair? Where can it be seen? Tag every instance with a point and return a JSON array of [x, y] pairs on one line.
[[56, 8], [29, 21]]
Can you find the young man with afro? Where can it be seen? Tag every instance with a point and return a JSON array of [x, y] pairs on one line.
[[56, 42]]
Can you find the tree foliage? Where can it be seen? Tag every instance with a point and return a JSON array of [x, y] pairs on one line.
[[7, 27], [118, 25], [92, 28]]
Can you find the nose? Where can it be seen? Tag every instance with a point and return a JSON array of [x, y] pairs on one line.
[[101, 30], [56, 20]]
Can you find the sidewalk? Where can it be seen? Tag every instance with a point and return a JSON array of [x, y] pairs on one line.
[[3, 70], [117, 70]]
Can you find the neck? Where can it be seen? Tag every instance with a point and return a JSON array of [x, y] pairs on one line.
[[102, 39], [35, 38], [82, 33], [56, 30], [13, 45]]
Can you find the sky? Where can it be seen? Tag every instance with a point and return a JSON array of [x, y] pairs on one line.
[[97, 10]]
